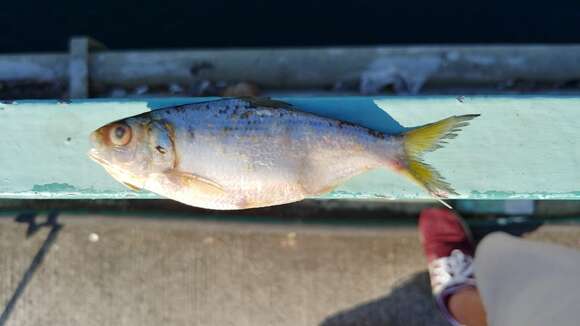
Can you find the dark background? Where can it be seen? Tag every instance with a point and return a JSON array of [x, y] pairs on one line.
[[47, 25]]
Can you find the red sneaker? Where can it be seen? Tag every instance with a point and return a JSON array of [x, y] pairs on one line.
[[449, 249]]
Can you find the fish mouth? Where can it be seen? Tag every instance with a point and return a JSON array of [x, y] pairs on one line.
[[93, 154], [117, 173]]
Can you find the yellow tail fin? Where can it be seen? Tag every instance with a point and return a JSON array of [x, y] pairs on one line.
[[429, 138]]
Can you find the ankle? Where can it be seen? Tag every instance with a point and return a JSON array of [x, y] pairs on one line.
[[466, 308]]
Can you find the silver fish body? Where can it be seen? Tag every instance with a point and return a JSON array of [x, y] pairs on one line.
[[241, 153]]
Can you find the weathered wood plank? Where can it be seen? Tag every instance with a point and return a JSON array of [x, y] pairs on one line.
[[521, 146]]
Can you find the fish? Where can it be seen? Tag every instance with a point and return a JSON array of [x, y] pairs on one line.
[[239, 153]]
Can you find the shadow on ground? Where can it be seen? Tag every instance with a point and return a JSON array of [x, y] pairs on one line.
[[30, 219], [408, 304]]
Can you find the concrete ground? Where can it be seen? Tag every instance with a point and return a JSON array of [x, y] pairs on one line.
[[105, 270]]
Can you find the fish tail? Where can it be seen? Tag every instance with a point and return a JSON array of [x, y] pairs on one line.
[[429, 138]]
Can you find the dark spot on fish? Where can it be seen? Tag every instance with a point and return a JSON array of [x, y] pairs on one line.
[[1, 108], [160, 149], [377, 134], [341, 124], [197, 68], [246, 114], [460, 99], [68, 139], [191, 132], [330, 124], [226, 129]]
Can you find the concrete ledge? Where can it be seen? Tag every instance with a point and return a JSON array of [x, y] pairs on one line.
[[521, 147]]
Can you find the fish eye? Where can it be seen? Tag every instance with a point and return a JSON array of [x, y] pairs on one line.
[[120, 134]]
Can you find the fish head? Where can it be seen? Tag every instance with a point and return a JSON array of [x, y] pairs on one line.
[[131, 149]]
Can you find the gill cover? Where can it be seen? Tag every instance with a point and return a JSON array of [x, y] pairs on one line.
[[161, 146]]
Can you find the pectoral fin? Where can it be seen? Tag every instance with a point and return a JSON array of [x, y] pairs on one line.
[[192, 181], [117, 176]]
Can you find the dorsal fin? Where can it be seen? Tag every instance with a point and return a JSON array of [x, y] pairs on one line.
[[266, 102]]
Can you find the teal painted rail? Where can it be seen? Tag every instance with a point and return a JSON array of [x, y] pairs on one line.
[[521, 147]]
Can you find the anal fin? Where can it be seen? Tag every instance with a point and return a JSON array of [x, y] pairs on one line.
[[130, 186]]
